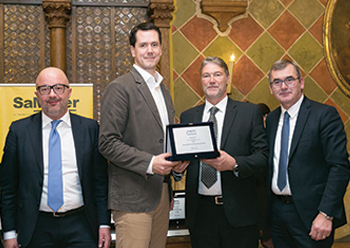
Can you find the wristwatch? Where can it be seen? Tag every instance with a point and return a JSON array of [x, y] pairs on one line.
[[235, 168], [326, 215]]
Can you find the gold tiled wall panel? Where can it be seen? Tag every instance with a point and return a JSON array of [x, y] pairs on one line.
[[97, 45]]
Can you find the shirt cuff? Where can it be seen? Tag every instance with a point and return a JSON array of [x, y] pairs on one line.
[[10, 235], [150, 169], [235, 170], [105, 226]]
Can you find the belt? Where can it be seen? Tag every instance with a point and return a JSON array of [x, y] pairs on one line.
[[285, 198], [218, 200], [69, 212]]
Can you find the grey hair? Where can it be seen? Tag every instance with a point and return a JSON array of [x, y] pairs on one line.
[[216, 60]]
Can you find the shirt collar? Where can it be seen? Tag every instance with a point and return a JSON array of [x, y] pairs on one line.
[[221, 105], [151, 81], [47, 120], [293, 111]]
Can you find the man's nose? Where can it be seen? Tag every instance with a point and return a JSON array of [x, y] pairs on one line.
[[52, 93], [149, 49]]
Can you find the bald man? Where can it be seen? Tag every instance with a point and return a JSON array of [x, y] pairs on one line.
[[53, 179]]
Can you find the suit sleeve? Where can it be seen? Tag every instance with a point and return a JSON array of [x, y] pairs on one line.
[[9, 183], [256, 161], [333, 139], [114, 120], [101, 184]]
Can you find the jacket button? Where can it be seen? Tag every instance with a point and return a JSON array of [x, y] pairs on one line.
[[161, 141]]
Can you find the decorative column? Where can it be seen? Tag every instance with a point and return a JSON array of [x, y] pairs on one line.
[[160, 14], [57, 13]]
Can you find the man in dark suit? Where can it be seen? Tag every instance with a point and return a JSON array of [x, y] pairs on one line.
[[309, 167], [54, 182], [136, 108], [225, 213]]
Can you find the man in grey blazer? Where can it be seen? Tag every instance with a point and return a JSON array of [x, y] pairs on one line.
[[135, 110]]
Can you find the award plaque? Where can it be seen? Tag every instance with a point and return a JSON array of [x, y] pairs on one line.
[[191, 141]]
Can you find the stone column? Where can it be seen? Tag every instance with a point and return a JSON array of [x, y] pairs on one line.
[[57, 13], [160, 15]]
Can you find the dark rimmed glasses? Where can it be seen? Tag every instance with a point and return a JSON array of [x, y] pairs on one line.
[[46, 89], [289, 82]]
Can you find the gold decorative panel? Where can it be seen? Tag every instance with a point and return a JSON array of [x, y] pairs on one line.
[[102, 45], [109, 1], [125, 20], [21, 42]]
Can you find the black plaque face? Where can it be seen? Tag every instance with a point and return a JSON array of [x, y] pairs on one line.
[[191, 141]]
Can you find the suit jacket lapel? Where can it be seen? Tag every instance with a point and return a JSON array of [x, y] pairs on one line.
[[229, 118], [272, 130], [146, 93], [300, 124], [198, 114], [36, 139], [79, 139]]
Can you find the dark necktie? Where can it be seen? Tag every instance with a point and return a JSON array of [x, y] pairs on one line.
[[208, 175], [282, 170], [55, 186]]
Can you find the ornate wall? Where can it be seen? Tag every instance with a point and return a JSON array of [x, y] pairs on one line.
[[87, 39], [269, 30]]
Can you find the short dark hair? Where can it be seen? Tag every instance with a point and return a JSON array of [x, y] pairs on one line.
[[144, 27], [263, 108], [216, 60], [281, 64]]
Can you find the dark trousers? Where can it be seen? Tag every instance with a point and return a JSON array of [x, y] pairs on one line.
[[70, 231], [212, 230], [288, 230]]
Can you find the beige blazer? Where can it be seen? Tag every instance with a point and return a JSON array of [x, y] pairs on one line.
[[130, 134]]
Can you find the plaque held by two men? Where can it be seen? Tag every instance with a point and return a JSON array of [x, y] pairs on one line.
[[191, 141]]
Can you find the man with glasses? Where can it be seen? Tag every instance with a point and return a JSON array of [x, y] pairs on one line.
[[309, 167], [53, 179]]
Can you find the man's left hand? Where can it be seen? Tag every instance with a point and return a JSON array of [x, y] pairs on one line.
[[321, 228], [104, 237], [222, 163], [181, 166]]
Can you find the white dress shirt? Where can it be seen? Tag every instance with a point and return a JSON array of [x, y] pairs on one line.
[[153, 84], [293, 113], [72, 192], [220, 116]]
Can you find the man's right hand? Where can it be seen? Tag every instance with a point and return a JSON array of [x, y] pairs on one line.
[[162, 166], [11, 243]]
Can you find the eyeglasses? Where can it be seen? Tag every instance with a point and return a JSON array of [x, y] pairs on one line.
[[289, 82], [46, 89]]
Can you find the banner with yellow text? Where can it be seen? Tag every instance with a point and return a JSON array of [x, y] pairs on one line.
[[19, 101]]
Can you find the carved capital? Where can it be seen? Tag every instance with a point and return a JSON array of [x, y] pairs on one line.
[[160, 12], [223, 10], [57, 13]]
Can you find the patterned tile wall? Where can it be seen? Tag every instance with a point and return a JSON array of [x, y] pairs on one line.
[[269, 31]]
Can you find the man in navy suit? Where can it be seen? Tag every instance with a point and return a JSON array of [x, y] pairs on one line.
[[309, 167], [225, 212], [81, 217]]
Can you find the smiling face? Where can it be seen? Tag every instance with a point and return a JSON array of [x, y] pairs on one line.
[[147, 50], [287, 95], [214, 82], [53, 105]]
